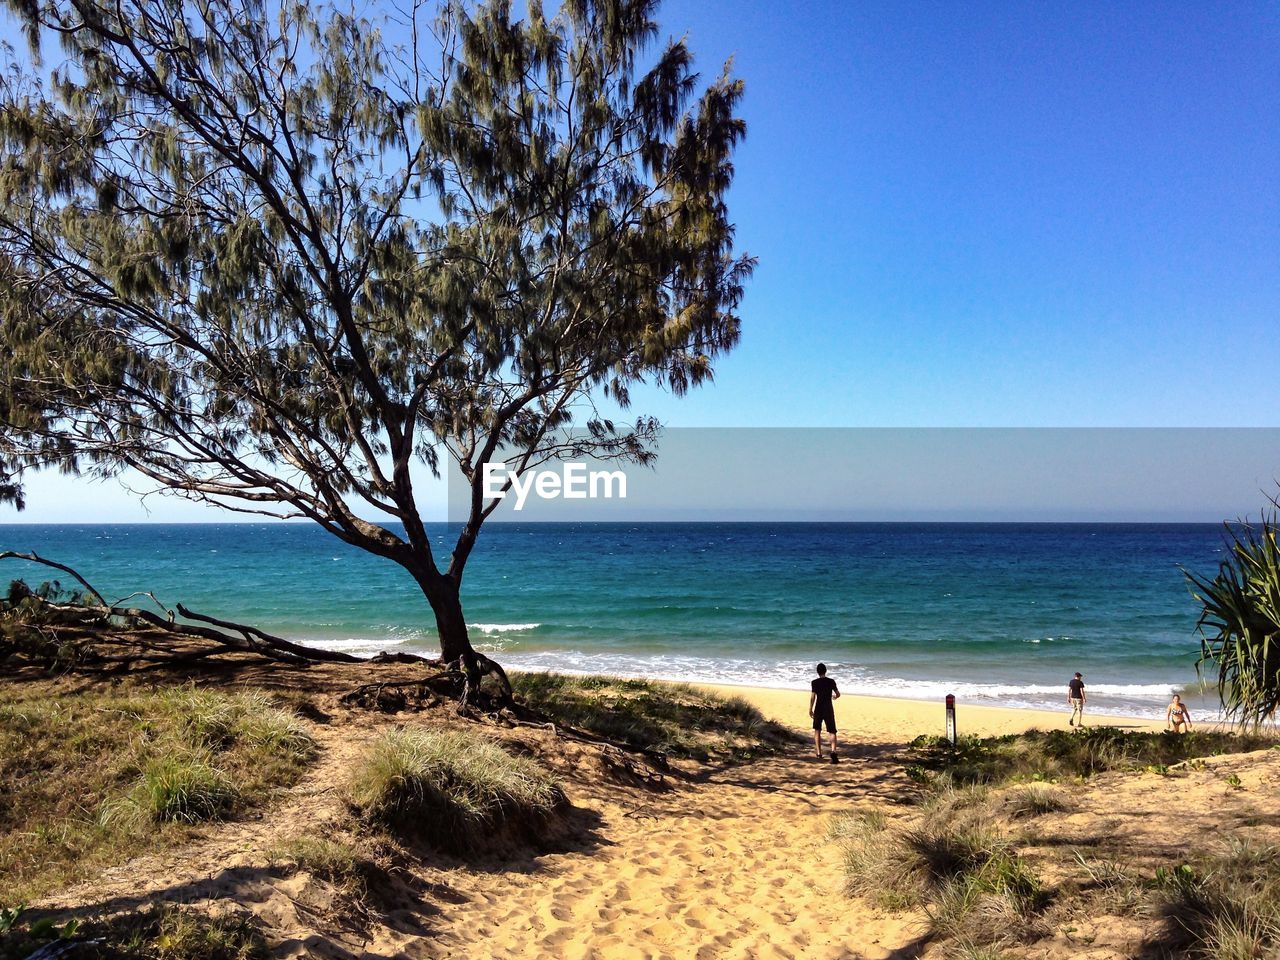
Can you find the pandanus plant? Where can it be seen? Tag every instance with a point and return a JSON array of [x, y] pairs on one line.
[[1239, 622]]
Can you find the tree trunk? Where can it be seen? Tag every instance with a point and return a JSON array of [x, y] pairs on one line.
[[446, 604], [455, 644]]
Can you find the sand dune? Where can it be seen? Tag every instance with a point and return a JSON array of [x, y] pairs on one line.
[[721, 861], [734, 865]]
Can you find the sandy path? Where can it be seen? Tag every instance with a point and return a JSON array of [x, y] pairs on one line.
[[725, 862], [732, 866]]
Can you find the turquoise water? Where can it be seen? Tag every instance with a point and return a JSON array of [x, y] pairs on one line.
[[995, 613]]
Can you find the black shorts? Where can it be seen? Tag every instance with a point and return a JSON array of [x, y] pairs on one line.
[[828, 716]]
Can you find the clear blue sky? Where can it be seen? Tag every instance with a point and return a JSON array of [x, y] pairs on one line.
[[1002, 213], [991, 214]]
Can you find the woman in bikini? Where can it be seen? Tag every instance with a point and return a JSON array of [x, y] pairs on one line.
[[1177, 716]]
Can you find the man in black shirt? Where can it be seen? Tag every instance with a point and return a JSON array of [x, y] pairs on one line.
[[1075, 697], [822, 710]]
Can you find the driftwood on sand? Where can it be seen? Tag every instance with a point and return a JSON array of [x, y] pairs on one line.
[[87, 630]]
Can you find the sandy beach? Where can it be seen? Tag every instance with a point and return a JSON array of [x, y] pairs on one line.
[[892, 720], [738, 864], [712, 860]]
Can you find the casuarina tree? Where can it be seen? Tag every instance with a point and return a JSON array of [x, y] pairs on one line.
[[276, 257]]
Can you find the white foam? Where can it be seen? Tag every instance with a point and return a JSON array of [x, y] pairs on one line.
[[502, 627], [356, 645], [1113, 699], [1116, 699]]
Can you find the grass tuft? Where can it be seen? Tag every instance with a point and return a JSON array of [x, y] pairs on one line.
[[182, 788], [1033, 800], [965, 805], [184, 935], [968, 950], [876, 865], [328, 859], [456, 790], [956, 871], [1222, 906], [672, 718], [161, 933]]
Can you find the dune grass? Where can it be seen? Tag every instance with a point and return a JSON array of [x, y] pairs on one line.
[[948, 858], [1033, 800], [671, 718], [176, 934], [458, 791], [91, 778], [329, 859], [161, 933], [1224, 905], [967, 878], [1061, 754], [966, 950]]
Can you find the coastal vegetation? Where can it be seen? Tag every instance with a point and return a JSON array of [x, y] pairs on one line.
[[674, 719], [1223, 905], [164, 933], [355, 825], [1240, 619], [1063, 754], [985, 855], [281, 260], [959, 872], [456, 790], [91, 777], [347, 806]]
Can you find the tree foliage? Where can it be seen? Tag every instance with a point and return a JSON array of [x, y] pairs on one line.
[[1240, 620], [271, 256]]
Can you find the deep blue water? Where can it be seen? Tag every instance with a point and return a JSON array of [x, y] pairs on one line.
[[998, 612]]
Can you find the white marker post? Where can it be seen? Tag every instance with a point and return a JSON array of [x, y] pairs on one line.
[[951, 718]]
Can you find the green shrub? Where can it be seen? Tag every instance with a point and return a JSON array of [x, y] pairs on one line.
[[455, 790], [1062, 754]]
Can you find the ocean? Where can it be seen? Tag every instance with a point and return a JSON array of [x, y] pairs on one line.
[[994, 613]]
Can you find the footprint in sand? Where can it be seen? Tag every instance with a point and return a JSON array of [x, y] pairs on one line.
[[696, 918]]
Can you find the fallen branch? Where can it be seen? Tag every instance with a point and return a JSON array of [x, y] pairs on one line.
[[36, 558], [93, 631], [96, 623]]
